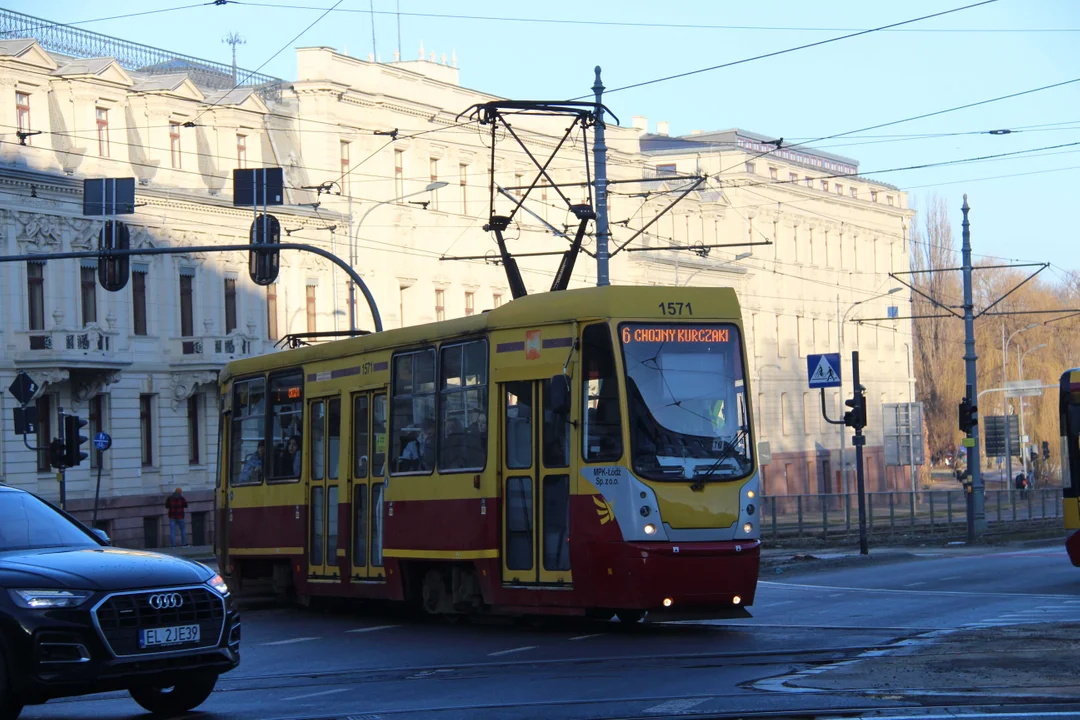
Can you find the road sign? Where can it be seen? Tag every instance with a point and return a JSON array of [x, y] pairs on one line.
[[968, 442], [108, 196], [258, 186], [102, 442], [823, 370], [23, 388], [26, 420], [1024, 388], [903, 433], [995, 435]]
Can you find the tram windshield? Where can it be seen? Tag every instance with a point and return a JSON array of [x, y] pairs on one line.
[[687, 401]]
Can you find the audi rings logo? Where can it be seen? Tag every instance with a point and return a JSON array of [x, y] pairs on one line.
[[166, 601]]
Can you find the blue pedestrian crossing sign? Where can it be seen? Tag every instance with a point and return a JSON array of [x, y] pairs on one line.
[[823, 370]]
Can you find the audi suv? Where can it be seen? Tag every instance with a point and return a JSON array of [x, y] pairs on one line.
[[78, 616]]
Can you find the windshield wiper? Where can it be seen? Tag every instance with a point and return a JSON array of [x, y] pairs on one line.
[[699, 481]]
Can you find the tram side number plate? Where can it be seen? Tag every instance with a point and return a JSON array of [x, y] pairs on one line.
[[177, 635]]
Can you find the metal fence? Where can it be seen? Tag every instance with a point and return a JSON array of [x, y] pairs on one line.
[[898, 515]]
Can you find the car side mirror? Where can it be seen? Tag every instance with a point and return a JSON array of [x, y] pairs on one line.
[[560, 394], [102, 536]]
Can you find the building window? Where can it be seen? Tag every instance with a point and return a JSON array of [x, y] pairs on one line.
[[35, 295], [889, 200], [784, 424], [399, 173], [103, 131], [271, 311], [346, 167], [138, 302], [194, 426], [854, 193], [825, 185], [773, 173], [470, 306], [793, 178], [463, 183], [750, 168], [174, 144], [312, 320], [22, 113], [666, 169], [873, 196], [839, 189], [496, 299], [44, 433], [809, 181], [440, 305], [146, 429], [96, 417], [434, 165], [241, 151], [187, 303], [519, 180], [230, 305], [88, 293]]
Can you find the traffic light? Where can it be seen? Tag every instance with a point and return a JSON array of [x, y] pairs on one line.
[[1046, 450], [856, 417], [968, 416], [263, 264], [73, 441], [113, 272], [56, 454]]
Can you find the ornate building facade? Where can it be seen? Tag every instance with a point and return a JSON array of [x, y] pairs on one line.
[[379, 170]]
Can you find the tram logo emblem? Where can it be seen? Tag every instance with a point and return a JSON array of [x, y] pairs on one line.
[[532, 344], [603, 509]]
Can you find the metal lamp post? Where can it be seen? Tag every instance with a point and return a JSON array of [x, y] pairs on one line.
[[431, 187], [1023, 449], [1005, 399]]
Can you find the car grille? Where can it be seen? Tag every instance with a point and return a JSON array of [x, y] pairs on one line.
[[121, 616]]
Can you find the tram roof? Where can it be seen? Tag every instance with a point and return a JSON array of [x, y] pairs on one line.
[[613, 301]]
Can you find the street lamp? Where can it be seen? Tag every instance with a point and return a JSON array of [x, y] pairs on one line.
[[1023, 453], [1005, 399], [431, 187], [840, 342], [737, 258]]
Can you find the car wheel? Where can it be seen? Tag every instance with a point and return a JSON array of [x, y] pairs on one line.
[[10, 706], [186, 694]]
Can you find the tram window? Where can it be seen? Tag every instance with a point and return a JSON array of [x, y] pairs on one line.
[[331, 524], [463, 407], [602, 438], [378, 429], [316, 557], [317, 428], [519, 518], [557, 522], [248, 460], [360, 436], [333, 438], [412, 413], [360, 526], [556, 433], [376, 524], [287, 426], [519, 430]]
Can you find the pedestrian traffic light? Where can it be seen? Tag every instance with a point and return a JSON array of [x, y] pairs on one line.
[[1046, 450], [113, 271], [968, 416], [56, 454], [263, 264], [73, 441], [856, 417]]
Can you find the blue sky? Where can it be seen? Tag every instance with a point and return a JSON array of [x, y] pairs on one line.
[[811, 93]]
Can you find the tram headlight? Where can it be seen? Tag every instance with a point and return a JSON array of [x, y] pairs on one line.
[[750, 494], [667, 602], [736, 600], [650, 529], [748, 528]]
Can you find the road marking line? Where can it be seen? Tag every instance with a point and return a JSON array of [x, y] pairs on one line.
[[915, 584], [833, 595], [586, 637], [887, 591], [512, 650], [290, 642], [675, 707], [782, 602], [372, 629], [316, 694], [954, 577]]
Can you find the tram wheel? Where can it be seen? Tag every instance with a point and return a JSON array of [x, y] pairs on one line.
[[629, 617]]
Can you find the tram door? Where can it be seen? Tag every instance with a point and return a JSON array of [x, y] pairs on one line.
[[366, 482], [323, 456], [535, 463]]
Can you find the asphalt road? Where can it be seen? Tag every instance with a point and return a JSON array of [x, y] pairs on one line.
[[357, 663]]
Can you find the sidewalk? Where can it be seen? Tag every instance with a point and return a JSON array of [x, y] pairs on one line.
[[198, 553]]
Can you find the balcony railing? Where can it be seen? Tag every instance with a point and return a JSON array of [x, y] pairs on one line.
[[210, 350], [90, 345]]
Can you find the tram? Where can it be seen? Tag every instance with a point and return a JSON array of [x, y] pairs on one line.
[[1069, 418], [587, 452]]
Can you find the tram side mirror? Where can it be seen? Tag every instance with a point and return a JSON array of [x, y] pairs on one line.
[[560, 394]]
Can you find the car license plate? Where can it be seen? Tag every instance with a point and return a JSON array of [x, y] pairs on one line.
[[178, 635]]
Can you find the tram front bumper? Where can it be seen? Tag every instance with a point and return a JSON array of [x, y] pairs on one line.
[[702, 579]]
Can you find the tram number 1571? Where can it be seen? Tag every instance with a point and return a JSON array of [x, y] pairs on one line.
[[676, 308]]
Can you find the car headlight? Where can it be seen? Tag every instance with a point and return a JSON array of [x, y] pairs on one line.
[[44, 599], [218, 584]]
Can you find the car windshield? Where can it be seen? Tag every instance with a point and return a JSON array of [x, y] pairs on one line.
[[687, 401], [27, 523]]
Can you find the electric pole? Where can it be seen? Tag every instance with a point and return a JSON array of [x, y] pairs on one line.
[[976, 507], [600, 161], [233, 39]]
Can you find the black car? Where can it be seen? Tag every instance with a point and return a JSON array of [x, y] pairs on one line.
[[78, 616]]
